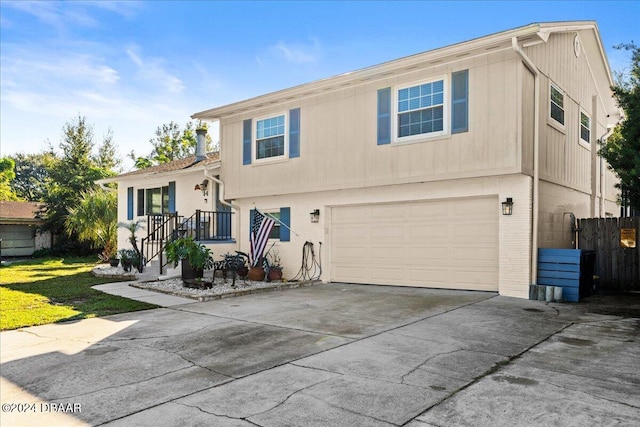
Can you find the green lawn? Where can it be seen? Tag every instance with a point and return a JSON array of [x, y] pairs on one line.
[[43, 291]]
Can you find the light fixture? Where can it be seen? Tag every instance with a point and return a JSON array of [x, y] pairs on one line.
[[315, 215], [507, 206]]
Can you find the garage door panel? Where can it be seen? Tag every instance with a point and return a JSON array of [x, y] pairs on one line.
[[448, 244], [427, 210], [392, 231], [388, 253]]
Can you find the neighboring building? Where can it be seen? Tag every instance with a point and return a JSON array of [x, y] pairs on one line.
[[18, 229], [409, 162]]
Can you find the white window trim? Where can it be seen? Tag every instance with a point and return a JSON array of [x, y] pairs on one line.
[[254, 139], [446, 107], [550, 120], [581, 141]]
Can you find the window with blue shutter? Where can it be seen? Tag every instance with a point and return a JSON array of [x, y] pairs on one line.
[[246, 142], [130, 203], [278, 232], [384, 116], [294, 133], [172, 196], [460, 101]]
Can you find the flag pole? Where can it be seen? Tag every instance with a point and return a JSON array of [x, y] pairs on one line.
[[277, 220]]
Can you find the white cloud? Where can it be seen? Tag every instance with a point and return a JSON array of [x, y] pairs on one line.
[[295, 53], [151, 70]]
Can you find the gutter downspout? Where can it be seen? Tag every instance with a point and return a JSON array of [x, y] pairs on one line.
[[536, 158], [224, 202], [601, 141]]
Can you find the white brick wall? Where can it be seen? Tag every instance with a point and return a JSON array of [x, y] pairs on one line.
[[515, 230]]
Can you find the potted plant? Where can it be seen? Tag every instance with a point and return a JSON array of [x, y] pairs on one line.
[[195, 257], [128, 258], [133, 227], [275, 267]]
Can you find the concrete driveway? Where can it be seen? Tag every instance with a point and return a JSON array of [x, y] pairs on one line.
[[330, 355]]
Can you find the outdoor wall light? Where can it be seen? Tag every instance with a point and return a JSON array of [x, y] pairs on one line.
[[315, 215], [507, 206], [204, 187]]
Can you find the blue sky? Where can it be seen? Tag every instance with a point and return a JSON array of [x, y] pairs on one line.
[[132, 66]]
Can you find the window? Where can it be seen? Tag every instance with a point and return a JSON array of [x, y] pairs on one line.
[[157, 200], [280, 230], [275, 231], [585, 127], [423, 111], [557, 104], [420, 109], [270, 140], [140, 202]]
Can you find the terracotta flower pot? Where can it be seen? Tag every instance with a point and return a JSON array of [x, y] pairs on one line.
[[256, 274], [275, 274]]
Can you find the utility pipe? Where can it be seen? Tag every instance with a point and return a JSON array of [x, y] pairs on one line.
[[536, 157], [224, 202], [601, 141]]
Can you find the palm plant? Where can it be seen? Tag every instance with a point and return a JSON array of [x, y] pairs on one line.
[[95, 220], [133, 227]]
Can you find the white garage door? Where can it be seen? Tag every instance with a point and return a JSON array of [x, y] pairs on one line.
[[441, 244], [17, 240]]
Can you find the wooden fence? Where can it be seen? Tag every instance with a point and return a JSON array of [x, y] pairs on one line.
[[617, 266]]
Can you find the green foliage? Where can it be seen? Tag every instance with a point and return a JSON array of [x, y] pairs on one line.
[[95, 220], [71, 175], [134, 227], [32, 175], [622, 148], [129, 258], [43, 291], [171, 143], [7, 174], [197, 254]]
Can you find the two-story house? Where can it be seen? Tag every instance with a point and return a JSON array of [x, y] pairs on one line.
[[445, 169]]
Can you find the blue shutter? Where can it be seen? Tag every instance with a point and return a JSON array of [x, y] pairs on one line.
[[460, 101], [130, 203], [172, 196], [252, 215], [294, 133], [384, 116], [285, 218], [246, 142]]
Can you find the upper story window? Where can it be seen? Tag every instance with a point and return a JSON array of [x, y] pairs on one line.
[[421, 110], [556, 104], [585, 127], [270, 137]]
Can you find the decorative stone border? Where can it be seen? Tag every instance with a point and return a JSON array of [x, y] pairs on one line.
[[225, 292]]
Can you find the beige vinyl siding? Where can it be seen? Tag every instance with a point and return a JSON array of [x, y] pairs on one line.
[[338, 137], [563, 160]]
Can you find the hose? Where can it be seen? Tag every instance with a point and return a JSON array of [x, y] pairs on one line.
[[311, 267]]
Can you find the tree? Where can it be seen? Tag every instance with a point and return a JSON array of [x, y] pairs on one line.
[[622, 148], [171, 143], [95, 221], [31, 175], [70, 175], [107, 158], [7, 174]]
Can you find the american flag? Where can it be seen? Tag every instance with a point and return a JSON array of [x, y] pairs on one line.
[[260, 230]]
